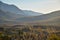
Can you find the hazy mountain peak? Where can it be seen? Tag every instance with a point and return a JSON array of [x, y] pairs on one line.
[[10, 8], [14, 14], [56, 11], [14, 9], [0, 1]]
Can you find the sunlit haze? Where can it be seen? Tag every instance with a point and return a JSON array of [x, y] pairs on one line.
[[42, 6]]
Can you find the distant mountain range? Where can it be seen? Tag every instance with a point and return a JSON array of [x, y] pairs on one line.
[[13, 9], [31, 13], [10, 14], [45, 18]]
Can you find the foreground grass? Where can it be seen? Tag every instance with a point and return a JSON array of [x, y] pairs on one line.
[[30, 33]]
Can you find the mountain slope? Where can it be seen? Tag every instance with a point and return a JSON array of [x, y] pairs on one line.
[[31, 13], [10, 8], [13, 9], [13, 15], [51, 18], [9, 15], [46, 18], [8, 18]]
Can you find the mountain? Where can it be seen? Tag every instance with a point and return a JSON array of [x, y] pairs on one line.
[[42, 17], [10, 14], [50, 18], [10, 8], [31, 13], [11, 18], [7, 17], [13, 9]]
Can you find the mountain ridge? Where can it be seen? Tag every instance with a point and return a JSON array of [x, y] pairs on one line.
[[25, 17], [13, 9]]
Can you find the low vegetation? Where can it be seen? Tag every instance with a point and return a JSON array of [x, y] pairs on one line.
[[30, 32]]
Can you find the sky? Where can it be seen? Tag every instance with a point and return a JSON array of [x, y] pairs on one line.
[[42, 6]]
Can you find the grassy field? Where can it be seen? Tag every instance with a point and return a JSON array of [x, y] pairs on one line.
[[30, 32]]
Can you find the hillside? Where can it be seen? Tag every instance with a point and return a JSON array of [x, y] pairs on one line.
[[31, 13], [13, 15], [14, 9], [41, 17]]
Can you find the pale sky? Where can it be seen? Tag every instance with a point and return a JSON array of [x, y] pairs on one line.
[[42, 6]]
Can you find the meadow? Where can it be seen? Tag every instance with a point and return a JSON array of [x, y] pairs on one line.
[[30, 32]]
